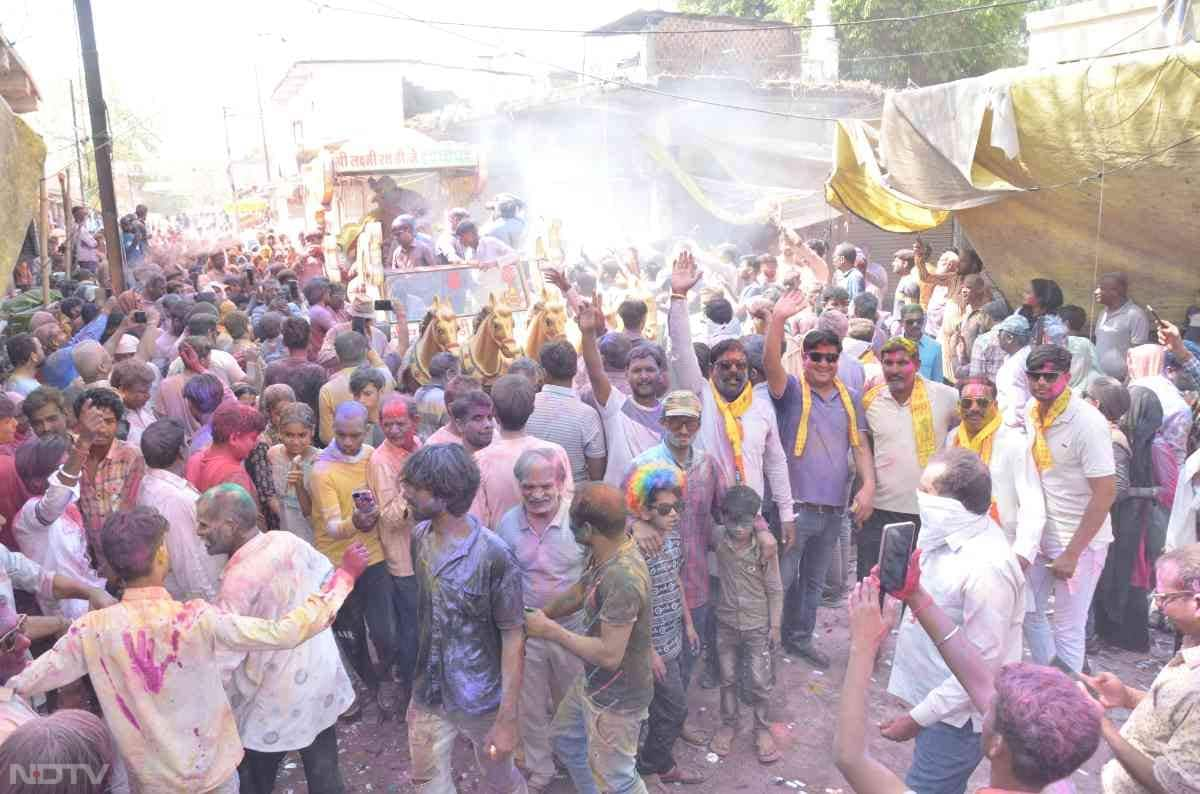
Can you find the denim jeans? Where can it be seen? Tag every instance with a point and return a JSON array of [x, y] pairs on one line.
[[803, 570], [550, 670], [597, 746], [1064, 634], [258, 770], [668, 712], [431, 735], [944, 758]]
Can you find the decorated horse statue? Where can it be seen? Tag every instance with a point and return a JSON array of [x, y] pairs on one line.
[[438, 334], [492, 346], [547, 322]]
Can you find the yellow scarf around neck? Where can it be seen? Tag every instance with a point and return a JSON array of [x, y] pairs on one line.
[[806, 413], [981, 442], [922, 417], [731, 413], [1043, 418]]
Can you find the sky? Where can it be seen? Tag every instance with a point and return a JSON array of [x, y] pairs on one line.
[[175, 64]]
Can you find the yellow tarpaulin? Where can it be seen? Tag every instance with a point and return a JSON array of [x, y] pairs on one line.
[[1016, 156], [22, 158]]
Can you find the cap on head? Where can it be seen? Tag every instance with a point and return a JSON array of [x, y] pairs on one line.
[[681, 403]]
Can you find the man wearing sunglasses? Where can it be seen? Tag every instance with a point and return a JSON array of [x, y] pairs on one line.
[[1018, 504], [1154, 752], [737, 424], [1072, 449], [823, 425]]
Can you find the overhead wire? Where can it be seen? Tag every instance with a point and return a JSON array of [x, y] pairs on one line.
[[631, 32]]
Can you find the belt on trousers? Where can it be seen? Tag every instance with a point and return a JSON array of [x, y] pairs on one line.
[[815, 508]]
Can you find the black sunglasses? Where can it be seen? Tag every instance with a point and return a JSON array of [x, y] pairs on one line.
[[982, 402], [9, 640], [1046, 376], [828, 358], [666, 510]]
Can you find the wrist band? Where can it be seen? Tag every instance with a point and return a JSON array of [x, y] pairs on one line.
[[675, 295], [946, 639]]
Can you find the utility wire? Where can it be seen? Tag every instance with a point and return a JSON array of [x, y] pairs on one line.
[[579, 31]]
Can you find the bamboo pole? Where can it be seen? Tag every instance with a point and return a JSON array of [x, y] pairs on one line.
[[44, 239], [64, 185]]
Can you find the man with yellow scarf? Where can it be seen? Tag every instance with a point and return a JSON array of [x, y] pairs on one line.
[[908, 418], [1018, 504], [822, 425], [1072, 449], [737, 420]]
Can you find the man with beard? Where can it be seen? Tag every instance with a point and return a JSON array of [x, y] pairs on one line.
[[631, 426], [1018, 504], [287, 700], [823, 427], [614, 644], [1072, 449], [908, 418], [539, 532], [25, 354], [737, 424], [469, 613]]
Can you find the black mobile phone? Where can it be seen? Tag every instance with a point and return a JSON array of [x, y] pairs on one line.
[[250, 275], [294, 288], [1059, 664], [1157, 320], [383, 306], [139, 317], [895, 549]]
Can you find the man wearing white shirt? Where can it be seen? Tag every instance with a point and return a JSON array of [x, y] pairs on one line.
[[1072, 448], [972, 574], [753, 454], [286, 700], [194, 572], [87, 253], [1018, 504]]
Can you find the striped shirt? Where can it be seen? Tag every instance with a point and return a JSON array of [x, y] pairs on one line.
[[559, 416]]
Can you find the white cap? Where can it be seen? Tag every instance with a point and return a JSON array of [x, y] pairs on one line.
[[128, 345]]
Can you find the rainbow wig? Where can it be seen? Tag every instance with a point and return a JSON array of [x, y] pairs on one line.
[[648, 479]]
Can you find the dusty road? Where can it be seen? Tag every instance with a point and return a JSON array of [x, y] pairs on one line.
[[375, 755]]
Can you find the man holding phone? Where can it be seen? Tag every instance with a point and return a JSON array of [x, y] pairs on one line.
[[1121, 325], [971, 572]]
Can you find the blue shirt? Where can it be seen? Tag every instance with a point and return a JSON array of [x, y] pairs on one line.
[[822, 474], [930, 351], [58, 370]]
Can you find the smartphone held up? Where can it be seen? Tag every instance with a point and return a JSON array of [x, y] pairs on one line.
[[895, 550]]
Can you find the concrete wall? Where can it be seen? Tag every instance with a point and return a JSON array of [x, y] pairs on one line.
[[1085, 30]]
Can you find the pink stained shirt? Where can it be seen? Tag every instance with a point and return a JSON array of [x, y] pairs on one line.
[[499, 491], [150, 659]]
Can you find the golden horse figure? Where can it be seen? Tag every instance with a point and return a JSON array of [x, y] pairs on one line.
[[547, 322], [492, 346], [438, 334]]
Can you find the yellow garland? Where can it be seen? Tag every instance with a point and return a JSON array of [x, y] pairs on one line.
[[806, 411], [981, 442], [732, 413], [922, 417], [868, 357], [1042, 420]]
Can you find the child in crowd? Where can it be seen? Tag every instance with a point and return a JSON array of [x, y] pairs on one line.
[[654, 493], [749, 614], [367, 385], [291, 466]]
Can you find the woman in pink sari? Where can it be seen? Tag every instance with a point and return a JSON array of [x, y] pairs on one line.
[[1147, 364]]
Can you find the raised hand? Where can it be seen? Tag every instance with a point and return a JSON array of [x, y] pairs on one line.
[[684, 273], [791, 303]]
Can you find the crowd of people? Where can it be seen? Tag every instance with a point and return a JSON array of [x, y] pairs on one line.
[[233, 518]]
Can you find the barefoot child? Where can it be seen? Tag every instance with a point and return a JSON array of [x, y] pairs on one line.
[[749, 611]]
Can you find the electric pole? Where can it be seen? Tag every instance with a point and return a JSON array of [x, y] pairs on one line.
[[78, 149], [262, 124], [101, 145], [237, 218]]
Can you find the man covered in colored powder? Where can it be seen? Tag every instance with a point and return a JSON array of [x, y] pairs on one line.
[[470, 620], [150, 659], [287, 700]]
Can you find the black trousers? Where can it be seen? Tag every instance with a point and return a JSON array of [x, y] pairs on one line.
[[668, 712], [385, 607], [870, 536], [258, 770]]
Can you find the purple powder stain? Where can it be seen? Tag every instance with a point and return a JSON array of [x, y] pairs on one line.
[[142, 658], [121, 704]]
